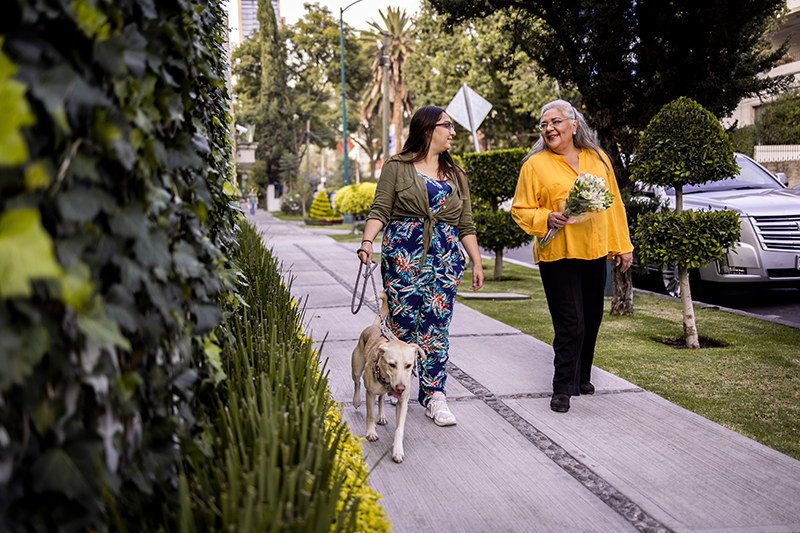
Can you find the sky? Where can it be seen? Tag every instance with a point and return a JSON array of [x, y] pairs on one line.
[[357, 16]]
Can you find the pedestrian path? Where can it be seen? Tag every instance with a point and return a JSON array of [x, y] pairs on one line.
[[622, 460]]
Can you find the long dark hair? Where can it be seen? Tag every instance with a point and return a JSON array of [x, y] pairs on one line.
[[419, 142]]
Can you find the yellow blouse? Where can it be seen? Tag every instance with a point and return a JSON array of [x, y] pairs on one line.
[[544, 181]]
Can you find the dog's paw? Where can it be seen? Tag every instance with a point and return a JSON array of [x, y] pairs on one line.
[[382, 420], [372, 436], [356, 401], [398, 454]]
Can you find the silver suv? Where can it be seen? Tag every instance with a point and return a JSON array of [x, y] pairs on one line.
[[769, 212]]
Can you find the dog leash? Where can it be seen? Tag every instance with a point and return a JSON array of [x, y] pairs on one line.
[[367, 274]]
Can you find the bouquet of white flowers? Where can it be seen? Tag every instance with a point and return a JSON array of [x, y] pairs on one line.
[[587, 197]]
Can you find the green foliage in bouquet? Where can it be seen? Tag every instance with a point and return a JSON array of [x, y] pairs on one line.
[[493, 181], [321, 207]]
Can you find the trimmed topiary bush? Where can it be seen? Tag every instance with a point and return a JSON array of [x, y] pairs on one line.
[[493, 180], [684, 144], [321, 207]]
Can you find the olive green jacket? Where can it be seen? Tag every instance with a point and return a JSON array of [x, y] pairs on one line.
[[401, 193]]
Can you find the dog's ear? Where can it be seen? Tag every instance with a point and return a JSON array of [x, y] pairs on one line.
[[422, 355]]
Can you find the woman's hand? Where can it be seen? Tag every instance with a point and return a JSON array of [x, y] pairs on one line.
[[624, 261], [556, 219], [477, 276], [365, 252]]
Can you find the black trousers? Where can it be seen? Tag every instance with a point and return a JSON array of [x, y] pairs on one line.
[[574, 290]]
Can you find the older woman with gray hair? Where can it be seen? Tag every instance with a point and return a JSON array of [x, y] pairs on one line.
[[573, 264]]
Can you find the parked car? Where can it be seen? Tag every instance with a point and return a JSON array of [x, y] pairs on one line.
[[768, 252]]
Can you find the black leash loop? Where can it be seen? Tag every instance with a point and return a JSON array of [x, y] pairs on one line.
[[366, 275]]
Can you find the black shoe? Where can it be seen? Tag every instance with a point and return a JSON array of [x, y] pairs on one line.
[[587, 388], [560, 403]]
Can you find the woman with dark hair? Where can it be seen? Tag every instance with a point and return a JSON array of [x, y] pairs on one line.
[[573, 265], [422, 203]]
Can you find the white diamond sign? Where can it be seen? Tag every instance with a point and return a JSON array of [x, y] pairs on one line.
[[468, 108]]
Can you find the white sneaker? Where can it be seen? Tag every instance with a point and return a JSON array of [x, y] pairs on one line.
[[437, 409]]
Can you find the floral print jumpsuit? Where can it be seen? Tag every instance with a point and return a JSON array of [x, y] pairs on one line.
[[421, 300]]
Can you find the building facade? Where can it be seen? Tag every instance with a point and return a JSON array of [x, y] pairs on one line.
[[248, 17], [748, 109]]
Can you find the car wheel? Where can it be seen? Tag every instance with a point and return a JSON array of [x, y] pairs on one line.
[[672, 285]]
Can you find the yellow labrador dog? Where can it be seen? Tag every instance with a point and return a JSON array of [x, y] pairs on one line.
[[386, 367]]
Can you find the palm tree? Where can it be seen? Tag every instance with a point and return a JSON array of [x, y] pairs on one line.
[[397, 24]]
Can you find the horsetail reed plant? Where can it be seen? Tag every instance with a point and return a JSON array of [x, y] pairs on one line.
[[272, 435]]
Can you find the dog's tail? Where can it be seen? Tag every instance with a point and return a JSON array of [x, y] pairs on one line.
[[384, 307]]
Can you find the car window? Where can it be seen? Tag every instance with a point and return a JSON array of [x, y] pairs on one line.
[[751, 176]]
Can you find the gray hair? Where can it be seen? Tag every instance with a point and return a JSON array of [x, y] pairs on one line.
[[584, 137]]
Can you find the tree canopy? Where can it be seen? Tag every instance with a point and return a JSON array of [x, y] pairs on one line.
[[480, 55], [628, 58]]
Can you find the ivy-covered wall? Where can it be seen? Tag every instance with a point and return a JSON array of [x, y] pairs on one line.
[[114, 223]]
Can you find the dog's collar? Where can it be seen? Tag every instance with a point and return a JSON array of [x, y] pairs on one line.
[[376, 371]]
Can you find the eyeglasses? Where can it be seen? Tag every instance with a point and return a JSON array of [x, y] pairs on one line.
[[448, 125], [555, 122]]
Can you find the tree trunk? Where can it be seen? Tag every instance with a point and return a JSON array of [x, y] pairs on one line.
[[622, 292], [498, 265], [689, 327]]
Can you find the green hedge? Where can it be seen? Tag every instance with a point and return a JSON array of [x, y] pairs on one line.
[[115, 221], [493, 180]]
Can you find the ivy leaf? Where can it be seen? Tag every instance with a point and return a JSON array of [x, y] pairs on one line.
[[26, 253], [21, 353], [182, 154], [16, 114], [213, 353], [56, 471], [97, 326], [82, 205], [208, 317]]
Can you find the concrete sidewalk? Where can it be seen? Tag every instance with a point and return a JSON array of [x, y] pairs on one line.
[[621, 460]]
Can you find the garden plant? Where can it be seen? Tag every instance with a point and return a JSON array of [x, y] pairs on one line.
[[685, 144]]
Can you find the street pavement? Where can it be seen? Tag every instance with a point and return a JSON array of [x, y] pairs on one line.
[[621, 460]]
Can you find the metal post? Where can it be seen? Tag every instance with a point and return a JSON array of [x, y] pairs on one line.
[[385, 62], [344, 105], [471, 123]]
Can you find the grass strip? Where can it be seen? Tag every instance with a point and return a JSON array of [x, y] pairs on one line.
[[751, 384]]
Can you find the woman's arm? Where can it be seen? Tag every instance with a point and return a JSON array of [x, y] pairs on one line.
[[470, 243], [371, 229]]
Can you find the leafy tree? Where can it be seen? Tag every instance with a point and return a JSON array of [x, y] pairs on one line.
[[397, 24], [286, 85], [779, 120], [488, 64], [628, 58], [246, 69], [743, 139], [493, 180], [275, 116], [685, 144]]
